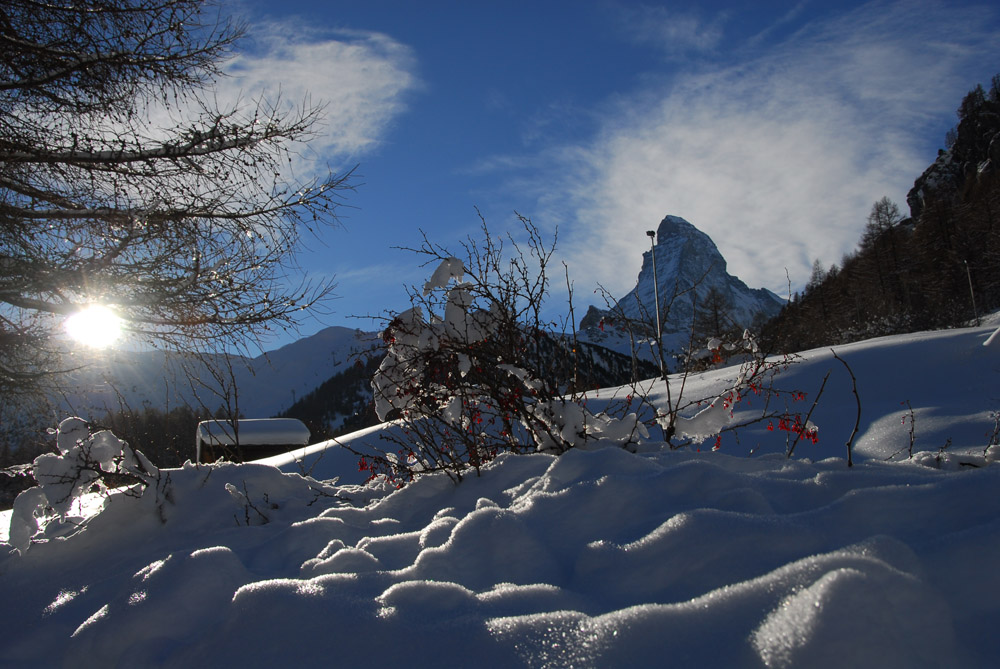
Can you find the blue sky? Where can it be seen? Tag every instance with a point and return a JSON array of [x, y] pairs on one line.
[[771, 126]]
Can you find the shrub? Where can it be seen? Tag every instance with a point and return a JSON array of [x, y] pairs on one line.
[[467, 371]]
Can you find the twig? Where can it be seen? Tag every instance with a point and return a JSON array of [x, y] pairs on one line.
[[572, 323], [250, 505], [805, 423], [857, 419], [913, 420], [995, 437]]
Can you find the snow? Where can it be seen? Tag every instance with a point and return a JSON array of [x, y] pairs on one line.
[[450, 268], [599, 557]]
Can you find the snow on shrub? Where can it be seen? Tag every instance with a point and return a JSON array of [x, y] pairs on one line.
[[463, 371], [196, 495], [64, 478], [715, 416]]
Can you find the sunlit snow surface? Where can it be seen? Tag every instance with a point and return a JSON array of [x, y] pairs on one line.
[[595, 558]]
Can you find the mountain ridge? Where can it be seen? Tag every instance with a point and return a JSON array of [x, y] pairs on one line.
[[266, 384]]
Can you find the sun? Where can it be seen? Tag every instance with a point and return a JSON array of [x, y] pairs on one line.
[[96, 326]]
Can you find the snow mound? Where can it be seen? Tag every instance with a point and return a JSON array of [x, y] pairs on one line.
[[594, 558]]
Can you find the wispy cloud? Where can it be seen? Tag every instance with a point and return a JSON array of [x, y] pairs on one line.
[[361, 79], [670, 31], [784, 20], [778, 158]]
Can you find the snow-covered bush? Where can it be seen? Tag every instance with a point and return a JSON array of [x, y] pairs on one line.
[[755, 378], [98, 478], [688, 419], [467, 371], [85, 458]]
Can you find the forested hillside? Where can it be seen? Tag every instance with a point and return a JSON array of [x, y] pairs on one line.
[[938, 267]]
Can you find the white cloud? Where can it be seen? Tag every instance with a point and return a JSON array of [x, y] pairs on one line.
[[360, 78], [778, 158]]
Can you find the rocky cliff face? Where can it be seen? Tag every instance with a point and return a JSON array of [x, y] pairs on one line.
[[973, 154], [952, 172], [688, 267]]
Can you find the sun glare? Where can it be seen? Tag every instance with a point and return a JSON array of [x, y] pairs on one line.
[[96, 326]]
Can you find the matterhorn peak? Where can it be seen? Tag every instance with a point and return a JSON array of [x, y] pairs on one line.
[[690, 273], [675, 225]]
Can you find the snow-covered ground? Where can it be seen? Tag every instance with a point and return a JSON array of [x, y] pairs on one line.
[[598, 557]]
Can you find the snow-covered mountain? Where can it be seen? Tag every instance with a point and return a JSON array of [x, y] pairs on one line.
[[266, 384], [688, 267]]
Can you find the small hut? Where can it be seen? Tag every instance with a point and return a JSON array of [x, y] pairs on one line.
[[248, 438]]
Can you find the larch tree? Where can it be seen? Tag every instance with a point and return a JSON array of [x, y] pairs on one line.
[[124, 182]]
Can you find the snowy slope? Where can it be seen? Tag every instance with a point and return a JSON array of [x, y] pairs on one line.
[[947, 376], [595, 558]]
